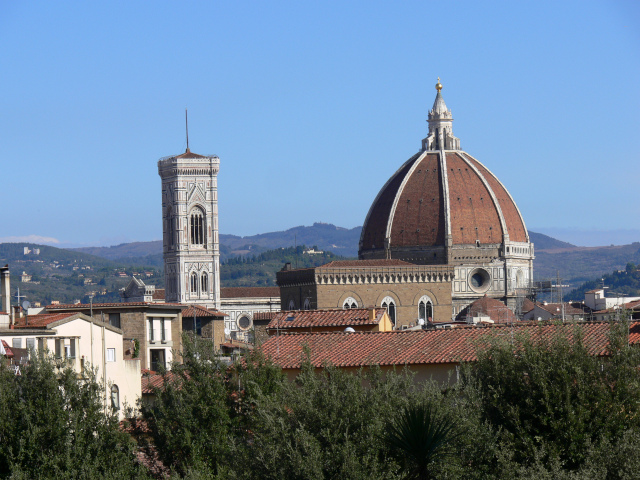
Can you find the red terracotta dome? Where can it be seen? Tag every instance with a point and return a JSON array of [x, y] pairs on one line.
[[439, 199]]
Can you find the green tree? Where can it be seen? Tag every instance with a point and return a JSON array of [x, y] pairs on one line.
[[553, 399], [53, 425], [190, 420], [421, 436]]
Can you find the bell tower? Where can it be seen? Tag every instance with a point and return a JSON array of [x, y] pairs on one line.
[[190, 228]]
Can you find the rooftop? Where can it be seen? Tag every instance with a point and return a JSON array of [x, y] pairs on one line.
[[422, 346], [325, 318]]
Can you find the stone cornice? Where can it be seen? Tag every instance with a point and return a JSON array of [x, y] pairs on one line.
[[367, 275]]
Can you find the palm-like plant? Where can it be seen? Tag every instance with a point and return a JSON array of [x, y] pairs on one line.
[[421, 436]]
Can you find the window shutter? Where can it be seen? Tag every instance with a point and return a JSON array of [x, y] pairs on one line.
[[58, 348], [72, 349]]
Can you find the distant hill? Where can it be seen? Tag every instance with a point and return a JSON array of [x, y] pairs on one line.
[[67, 275], [624, 282], [124, 250], [581, 264], [341, 241], [545, 242], [575, 264]]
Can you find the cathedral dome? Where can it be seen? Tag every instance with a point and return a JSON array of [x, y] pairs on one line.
[[441, 201]]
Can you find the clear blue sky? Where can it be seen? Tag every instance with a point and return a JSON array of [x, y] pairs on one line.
[[311, 106]]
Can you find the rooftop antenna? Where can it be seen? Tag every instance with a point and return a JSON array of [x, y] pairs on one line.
[[186, 123]]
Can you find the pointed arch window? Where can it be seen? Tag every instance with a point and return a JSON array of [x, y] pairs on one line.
[[390, 305], [194, 282], [425, 309], [292, 305], [350, 302], [204, 283], [196, 225], [307, 304]]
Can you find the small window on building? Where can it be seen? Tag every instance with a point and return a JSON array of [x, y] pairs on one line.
[[111, 354], [115, 397], [204, 283], [196, 221], [425, 309], [16, 343], [114, 320], [31, 343], [157, 360], [390, 305], [194, 282], [152, 337], [350, 302]]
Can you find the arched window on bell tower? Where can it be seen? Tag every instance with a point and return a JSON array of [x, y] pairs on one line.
[[196, 227], [204, 283], [194, 283]]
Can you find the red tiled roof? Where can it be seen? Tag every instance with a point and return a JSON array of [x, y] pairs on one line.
[[158, 294], [419, 347], [41, 320], [527, 305], [515, 225], [152, 380], [199, 311], [375, 227], [392, 262], [492, 308], [261, 316], [411, 206], [244, 292], [85, 306], [7, 349], [324, 318], [189, 154], [569, 308]]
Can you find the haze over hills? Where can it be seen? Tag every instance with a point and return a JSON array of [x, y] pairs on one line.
[[63, 272], [575, 264]]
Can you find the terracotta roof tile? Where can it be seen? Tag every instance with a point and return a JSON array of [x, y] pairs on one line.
[[85, 306], [158, 294], [492, 308], [569, 308], [41, 320], [8, 352], [199, 311], [421, 346], [375, 227], [243, 292], [262, 316], [324, 318], [527, 305]]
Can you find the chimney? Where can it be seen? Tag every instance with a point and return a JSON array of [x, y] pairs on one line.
[[372, 314]]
